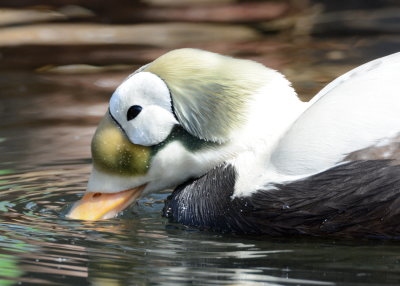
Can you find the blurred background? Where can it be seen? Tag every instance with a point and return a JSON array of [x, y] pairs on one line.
[[60, 61]]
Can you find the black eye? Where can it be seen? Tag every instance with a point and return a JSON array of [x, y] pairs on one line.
[[133, 111]]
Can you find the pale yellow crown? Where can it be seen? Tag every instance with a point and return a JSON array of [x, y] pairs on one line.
[[210, 92]]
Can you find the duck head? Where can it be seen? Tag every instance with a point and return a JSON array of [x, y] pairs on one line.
[[172, 120]]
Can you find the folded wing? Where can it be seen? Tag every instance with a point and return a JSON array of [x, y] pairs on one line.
[[358, 111]]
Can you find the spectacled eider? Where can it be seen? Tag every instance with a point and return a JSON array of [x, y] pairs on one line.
[[245, 155]]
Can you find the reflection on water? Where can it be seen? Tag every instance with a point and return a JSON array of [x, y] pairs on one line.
[[39, 246], [46, 128], [47, 119]]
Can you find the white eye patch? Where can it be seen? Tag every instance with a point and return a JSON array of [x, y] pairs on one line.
[[142, 107]]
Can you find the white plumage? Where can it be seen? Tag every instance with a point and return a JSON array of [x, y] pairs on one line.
[[201, 110], [354, 111]]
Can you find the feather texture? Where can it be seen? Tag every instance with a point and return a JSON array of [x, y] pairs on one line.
[[353, 112], [211, 93], [355, 199]]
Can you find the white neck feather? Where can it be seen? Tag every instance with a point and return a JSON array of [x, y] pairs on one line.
[[274, 109]]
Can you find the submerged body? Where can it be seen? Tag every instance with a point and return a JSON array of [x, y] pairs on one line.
[[247, 155], [356, 199]]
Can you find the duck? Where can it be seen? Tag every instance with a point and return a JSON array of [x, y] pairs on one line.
[[243, 154]]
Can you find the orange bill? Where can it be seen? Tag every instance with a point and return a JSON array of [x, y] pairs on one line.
[[94, 206]]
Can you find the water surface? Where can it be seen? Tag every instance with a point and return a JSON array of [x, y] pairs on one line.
[[46, 123]]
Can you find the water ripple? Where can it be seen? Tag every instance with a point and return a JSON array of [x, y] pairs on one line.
[[38, 245]]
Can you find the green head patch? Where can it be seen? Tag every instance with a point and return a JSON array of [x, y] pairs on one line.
[[113, 153]]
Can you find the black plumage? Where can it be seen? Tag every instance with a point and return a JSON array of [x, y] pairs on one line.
[[206, 203], [353, 199]]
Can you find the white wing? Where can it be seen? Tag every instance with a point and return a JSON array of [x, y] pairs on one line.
[[353, 112]]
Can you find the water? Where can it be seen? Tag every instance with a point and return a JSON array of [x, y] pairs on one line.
[[46, 123], [39, 246]]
